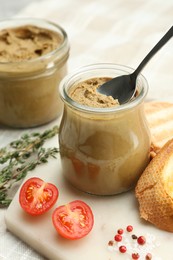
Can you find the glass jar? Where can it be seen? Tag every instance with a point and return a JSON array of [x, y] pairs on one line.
[[103, 150], [29, 93]]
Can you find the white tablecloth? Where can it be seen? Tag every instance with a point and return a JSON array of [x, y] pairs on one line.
[[118, 31]]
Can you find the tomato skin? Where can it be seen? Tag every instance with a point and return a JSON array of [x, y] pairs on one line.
[[37, 197], [74, 220]]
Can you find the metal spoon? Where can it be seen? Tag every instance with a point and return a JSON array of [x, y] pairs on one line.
[[123, 87]]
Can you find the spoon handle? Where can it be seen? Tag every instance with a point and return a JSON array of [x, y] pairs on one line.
[[157, 47]]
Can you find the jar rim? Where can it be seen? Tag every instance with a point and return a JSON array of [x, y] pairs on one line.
[[29, 21], [64, 85]]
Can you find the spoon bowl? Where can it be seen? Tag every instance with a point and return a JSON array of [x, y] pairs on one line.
[[123, 87]]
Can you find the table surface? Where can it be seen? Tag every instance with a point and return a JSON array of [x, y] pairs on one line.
[[118, 31]]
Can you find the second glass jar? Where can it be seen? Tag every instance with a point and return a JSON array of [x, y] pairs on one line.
[[29, 87]]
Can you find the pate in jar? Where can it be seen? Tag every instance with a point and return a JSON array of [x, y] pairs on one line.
[[33, 60], [104, 146]]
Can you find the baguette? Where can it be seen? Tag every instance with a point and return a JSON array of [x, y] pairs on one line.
[[154, 189]]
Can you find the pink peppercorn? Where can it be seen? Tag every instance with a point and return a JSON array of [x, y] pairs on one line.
[[135, 256], [110, 243], [120, 231], [122, 249], [148, 256], [141, 240], [129, 228], [118, 238]]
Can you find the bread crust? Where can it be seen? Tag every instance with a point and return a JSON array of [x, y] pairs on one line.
[[154, 189]]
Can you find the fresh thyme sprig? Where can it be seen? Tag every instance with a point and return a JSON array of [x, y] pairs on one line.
[[21, 156], [27, 144]]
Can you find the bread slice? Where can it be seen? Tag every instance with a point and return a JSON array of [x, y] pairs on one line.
[[154, 189], [160, 119]]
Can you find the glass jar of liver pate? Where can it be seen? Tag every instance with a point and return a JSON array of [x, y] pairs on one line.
[[33, 60], [103, 150]]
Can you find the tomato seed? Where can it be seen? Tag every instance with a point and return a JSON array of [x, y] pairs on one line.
[[120, 231], [141, 240], [135, 256], [129, 228], [148, 256], [118, 238], [122, 249]]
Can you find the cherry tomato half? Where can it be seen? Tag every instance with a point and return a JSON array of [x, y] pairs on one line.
[[74, 220], [37, 196]]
